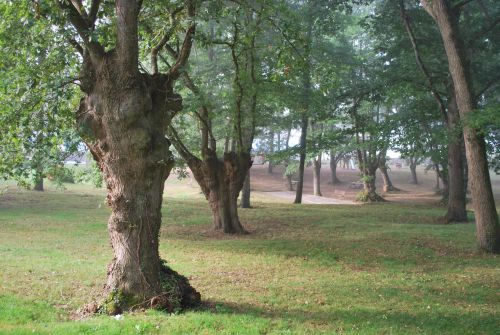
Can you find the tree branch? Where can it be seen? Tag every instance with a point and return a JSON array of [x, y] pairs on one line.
[[180, 147], [460, 3], [419, 61], [82, 27], [76, 45], [185, 50], [489, 84], [164, 40], [94, 10]]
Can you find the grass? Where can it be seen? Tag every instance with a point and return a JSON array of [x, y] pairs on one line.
[[372, 269]]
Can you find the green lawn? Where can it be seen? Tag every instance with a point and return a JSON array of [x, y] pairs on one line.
[[371, 269]]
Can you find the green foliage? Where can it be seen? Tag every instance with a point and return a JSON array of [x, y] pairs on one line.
[[88, 174], [37, 100]]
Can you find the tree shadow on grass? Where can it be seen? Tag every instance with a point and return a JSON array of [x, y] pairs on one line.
[[359, 318]]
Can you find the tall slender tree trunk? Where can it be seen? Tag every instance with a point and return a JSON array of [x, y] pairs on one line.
[[245, 192], [413, 171], [438, 186], [317, 175], [302, 161], [288, 176], [456, 211], [304, 122], [271, 152], [122, 119], [487, 225], [388, 186]]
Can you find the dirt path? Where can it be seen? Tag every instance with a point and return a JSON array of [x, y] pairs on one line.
[[273, 185], [307, 198]]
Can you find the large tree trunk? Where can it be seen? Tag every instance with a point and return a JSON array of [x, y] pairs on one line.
[[456, 211], [487, 225], [317, 175], [368, 169], [245, 192], [221, 181], [369, 193], [122, 119], [333, 168]]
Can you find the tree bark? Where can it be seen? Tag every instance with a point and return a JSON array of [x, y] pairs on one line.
[[245, 192], [368, 169], [369, 189], [122, 119], [456, 209], [38, 183], [302, 162], [317, 175], [413, 171], [271, 152], [333, 168], [388, 186], [221, 181], [487, 225]]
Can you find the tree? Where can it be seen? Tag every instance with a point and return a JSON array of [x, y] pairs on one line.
[[221, 178], [122, 119], [487, 226], [36, 100], [455, 192]]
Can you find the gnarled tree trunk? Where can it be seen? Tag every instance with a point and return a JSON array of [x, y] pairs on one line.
[[368, 168], [369, 189], [122, 119], [221, 181], [487, 225]]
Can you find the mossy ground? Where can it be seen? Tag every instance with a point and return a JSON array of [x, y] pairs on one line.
[[383, 268]]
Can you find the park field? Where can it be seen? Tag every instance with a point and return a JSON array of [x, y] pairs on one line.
[[386, 268]]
